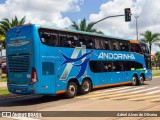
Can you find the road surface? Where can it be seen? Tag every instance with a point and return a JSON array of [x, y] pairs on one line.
[[123, 98]]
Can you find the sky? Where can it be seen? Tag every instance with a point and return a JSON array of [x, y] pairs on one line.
[[61, 13]]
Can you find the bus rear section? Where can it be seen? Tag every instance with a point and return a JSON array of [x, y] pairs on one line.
[[21, 74]]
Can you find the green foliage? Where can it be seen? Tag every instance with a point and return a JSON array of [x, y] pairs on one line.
[[83, 26], [3, 79], [6, 24], [4, 91], [157, 54], [156, 74], [151, 38]]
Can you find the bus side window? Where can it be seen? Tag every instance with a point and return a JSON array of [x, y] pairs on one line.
[[107, 46], [100, 66], [89, 43], [107, 66], [49, 38], [92, 65], [82, 40], [99, 43], [115, 45], [136, 65], [72, 39], [63, 40], [124, 46], [118, 66], [68, 40], [136, 48], [126, 65]]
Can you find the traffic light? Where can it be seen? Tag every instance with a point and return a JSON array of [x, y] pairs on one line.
[[127, 12]]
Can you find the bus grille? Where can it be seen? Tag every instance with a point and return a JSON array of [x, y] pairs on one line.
[[18, 62]]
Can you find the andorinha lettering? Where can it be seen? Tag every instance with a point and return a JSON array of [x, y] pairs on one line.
[[116, 56]]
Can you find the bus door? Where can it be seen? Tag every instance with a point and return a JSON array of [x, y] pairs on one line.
[[47, 78]]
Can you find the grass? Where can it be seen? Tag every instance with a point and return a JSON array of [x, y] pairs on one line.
[[156, 74], [4, 91], [3, 79], [155, 68]]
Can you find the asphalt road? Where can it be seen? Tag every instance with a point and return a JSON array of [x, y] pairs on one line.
[[122, 98]]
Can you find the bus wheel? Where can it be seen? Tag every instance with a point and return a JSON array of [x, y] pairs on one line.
[[134, 80], [71, 90], [141, 80], [85, 87]]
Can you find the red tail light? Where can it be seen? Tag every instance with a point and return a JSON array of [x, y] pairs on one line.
[[34, 76]]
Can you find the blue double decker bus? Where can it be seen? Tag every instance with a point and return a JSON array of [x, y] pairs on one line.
[[46, 60]]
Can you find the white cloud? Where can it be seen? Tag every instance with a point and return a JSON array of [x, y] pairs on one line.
[[39, 11], [147, 10]]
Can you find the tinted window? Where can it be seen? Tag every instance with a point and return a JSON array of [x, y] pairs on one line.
[[100, 66], [107, 44], [48, 37], [124, 45], [135, 65], [99, 43], [68, 40], [144, 48], [87, 41], [118, 66], [115, 45], [121, 66], [136, 48]]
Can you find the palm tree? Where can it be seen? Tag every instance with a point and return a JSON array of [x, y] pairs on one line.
[[151, 38], [84, 27], [5, 25]]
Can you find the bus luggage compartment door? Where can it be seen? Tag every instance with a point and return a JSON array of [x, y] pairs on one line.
[[48, 78]]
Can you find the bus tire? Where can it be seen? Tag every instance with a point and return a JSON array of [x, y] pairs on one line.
[[71, 90], [134, 80], [141, 80], [85, 87]]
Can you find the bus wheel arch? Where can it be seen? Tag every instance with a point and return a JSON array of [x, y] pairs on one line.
[[141, 79], [86, 86], [72, 88], [135, 79]]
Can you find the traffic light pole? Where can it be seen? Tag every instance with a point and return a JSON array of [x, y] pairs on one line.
[[127, 14], [106, 18]]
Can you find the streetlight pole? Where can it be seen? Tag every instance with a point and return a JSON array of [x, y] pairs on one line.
[[136, 26]]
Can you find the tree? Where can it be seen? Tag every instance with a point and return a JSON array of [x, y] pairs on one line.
[[6, 24], [84, 27], [157, 54], [151, 38]]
